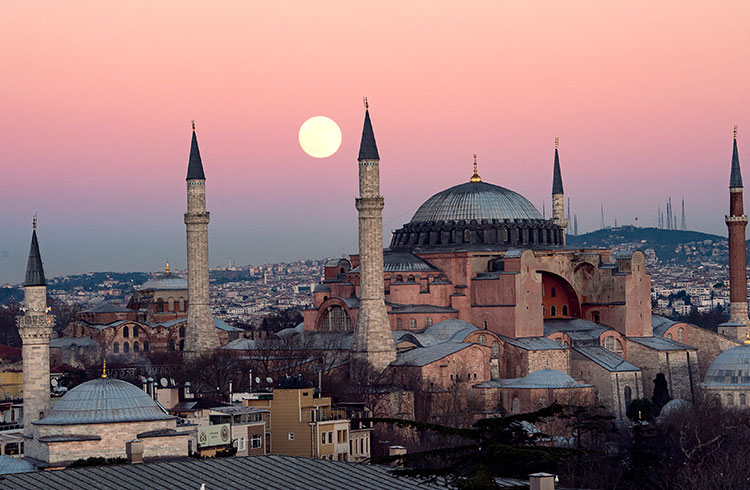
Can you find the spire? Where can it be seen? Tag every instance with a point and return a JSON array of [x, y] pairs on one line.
[[736, 178], [195, 165], [475, 177], [557, 184], [368, 149], [104, 367], [34, 269]]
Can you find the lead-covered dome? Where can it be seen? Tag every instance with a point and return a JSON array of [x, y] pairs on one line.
[[730, 368], [164, 282], [476, 201], [104, 401]]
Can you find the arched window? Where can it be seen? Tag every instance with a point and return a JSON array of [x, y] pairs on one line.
[[467, 236], [171, 345], [412, 323], [565, 310], [182, 344], [428, 322], [495, 349], [669, 336], [399, 324], [410, 278], [116, 347], [506, 239], [743, 399], [628, 396], [182, 331], [135, 331], [160, 305], [730, 399], [336, 319], [136, 347], [481, 340], [595, 316], [516, 406], [552, 292], [126, 348], [613, 345], [125, 331], [552, 310], [145, 347], [680, 334]]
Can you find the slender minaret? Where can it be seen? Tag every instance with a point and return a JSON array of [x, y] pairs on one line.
[[684, 223], [558, 196], [35, 328], [372, 345], [736, 222], [200, 336]]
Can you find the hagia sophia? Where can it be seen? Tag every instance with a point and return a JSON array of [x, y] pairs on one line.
[[478, 294]]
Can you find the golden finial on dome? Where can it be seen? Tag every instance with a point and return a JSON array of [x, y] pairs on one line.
[[104, 368], [747, 337], [166, 269], [475, 177]]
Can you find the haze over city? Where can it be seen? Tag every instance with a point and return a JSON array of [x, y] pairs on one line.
[[98, 99]]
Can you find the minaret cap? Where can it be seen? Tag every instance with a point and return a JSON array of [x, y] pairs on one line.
[[735, 179], [557, 183], [475, 177], [195, 164], [368, 149], [34, 267]]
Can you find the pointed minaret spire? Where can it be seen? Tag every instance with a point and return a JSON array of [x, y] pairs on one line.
[[735, 180], [34, 268], [557, 183], [558, 195], [195, 164], [368, 149]]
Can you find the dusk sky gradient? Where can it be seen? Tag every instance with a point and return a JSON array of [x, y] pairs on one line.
[[96, 101]]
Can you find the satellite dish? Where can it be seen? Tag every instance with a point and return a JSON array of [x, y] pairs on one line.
[[164, 382], [257, 380], [269, 380], [53, 382]]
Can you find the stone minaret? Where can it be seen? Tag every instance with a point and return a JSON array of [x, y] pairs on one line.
[[35, 329], [736, 222], [373, 342], [200, 336], [558, 196]]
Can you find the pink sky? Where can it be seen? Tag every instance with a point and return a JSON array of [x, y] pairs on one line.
[[97, 99]]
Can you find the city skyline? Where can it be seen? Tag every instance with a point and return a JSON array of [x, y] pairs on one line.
[[99, 102]]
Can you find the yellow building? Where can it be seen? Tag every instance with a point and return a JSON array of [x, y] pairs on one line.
[[303, 423], [11, 385]]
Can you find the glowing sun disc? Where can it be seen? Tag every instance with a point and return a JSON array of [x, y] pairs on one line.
[[320, 137]]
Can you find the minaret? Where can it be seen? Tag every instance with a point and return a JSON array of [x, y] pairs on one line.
[[683, 226], [35, 328], [736, 222], [200, 336], [372, 346], [558, 196]]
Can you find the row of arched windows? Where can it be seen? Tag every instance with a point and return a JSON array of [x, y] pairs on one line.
[[680, 335], [126, 347], [171, 305], [742, 399], [126, 331], [553, 310]]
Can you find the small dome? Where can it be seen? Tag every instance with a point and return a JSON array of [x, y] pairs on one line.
[[164, 282], [731, 367], [548, 378], [476, 201], [103, 401]]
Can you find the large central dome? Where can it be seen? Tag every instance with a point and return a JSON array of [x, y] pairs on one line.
[[476, 201]]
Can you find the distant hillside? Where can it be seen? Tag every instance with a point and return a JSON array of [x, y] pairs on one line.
[[668, 245]]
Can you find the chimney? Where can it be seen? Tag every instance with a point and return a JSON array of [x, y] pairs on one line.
[[541, 481], [397, 451], [134, 450]]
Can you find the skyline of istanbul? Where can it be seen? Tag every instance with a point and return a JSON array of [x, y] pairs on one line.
[[98, 104]]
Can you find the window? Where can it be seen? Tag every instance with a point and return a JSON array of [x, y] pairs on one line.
[[241, 444], [628, 396], [145, 347], [552, 292], [171, 345], [336, 318], [257, 417], [495, 349], [291, 436], [330, 437], [341, 436], [125, 332], [552, 311], [182, 331], [428, 322], [484, 324], [351, 446], [743, 400], [613, 345], [680, 334], [182, 344], [516, 406], [160, 305], [481, 340], [136, 347], [135, 331], [399, 324], [565, 310], [412, 323], [256, 442], [126, 347], [669, 336], [730, 399], [116, 347], [595, 316], [322, 437]]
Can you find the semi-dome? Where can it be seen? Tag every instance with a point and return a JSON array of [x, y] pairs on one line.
[[476, 201], [104, 401], [730, 368]]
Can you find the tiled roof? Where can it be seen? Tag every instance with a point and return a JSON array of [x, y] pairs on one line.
[[533, 343], [606, 359], [422, 356], [660, 343]]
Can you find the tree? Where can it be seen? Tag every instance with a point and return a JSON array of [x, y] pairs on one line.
[[661, 392], [641, 409], [281, 320]]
